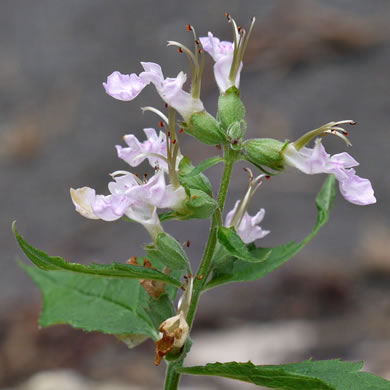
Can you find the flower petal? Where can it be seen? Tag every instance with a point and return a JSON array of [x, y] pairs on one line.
[[83, 198], [123, 86], [356, 189]]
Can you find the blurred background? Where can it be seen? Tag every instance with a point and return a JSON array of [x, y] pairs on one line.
[[308, 63]]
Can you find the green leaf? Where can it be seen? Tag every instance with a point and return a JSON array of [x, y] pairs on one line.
[[206, 164], [114, 306], [237, 248], [170, 252], [241, 271], [197, 182], [307, 375], [55, 263]]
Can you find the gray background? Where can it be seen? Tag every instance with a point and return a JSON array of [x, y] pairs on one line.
[[308, 62]]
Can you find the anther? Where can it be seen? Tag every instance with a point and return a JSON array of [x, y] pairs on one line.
[[200, 277], [228, 16], [199, 51], [166, 105], [194, 197], [188, 243], [137, 175], [181, 131], [145, 175], [173, 141], [180, 50], [132, 261], [197, 41], [169, 134], [219, 147], [239, 28], [189, 28], [161, 124], [268, 177]]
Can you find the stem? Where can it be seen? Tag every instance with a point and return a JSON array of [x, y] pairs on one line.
[[173, 377]]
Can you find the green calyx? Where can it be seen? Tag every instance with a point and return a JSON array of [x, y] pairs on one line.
[[264, 152], [204, 127], [230, 108]]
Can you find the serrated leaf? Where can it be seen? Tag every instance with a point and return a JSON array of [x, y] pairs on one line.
[[55, 263], [206, 164], [241, 271], [237, 248], [114, 306], [169, 252], [307, 375]]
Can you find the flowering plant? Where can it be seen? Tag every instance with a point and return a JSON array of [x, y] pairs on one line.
[[136, 300]]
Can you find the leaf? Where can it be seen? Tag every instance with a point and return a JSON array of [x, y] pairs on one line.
[[198, 182], [114, 306], [237, 248], [206, 164], [240, 271], [55, 263], [169, 252], [307, 375]]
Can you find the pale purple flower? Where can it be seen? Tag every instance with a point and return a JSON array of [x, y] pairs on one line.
[[130, 197], [246, 226], [171, 90], [123, 86], [312, 161], [222, 53], [127, 87], [137, 152]]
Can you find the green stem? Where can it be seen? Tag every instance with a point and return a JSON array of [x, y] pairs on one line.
[[172, 377]]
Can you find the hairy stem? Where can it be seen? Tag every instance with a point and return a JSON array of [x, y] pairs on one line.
[[172, 377]]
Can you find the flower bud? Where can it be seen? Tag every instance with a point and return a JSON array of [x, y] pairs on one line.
[[235, 134], [265, 152], [204, 127], [174, 333], [199, 205], [230, 108]]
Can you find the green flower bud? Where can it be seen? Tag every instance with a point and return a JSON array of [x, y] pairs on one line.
[[235, 134], [230, 108], [204, 127], [264, 152], [200, 205]]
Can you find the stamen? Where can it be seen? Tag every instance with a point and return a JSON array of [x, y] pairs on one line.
[[189, 27], [157, 112], [173, 141], [168, 133], [188, 243], [180, 50], [228, 16], [118, 173], [161, 124], [348, 122], [181, 131], [249, 172], [338, 134], [194, 197]]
